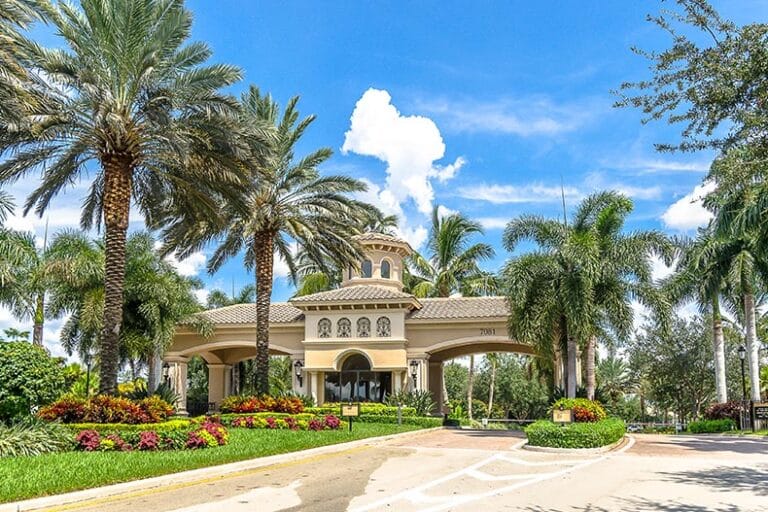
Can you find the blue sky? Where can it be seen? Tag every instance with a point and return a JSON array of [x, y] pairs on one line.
[[482, 108]]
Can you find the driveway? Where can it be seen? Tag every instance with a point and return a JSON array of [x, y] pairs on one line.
[[453, 470]]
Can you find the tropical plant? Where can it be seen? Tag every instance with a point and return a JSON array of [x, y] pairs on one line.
[[29, 377], [6, 206], [614, 378], [127, 92], [285, 200], [30, 437], [219, 298], [420, 400], [17, 91]]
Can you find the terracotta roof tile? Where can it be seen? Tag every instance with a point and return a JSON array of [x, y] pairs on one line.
[[354, 293], [461, 308], [279, 313]]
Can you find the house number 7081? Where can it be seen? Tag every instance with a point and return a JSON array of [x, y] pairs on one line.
[[487, 332]]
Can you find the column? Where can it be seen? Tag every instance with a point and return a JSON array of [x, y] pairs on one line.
[[177, 374], [435, 380], [217, 384]]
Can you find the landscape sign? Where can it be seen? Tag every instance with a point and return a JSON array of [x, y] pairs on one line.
[[350, 410], [760, 411], [562, 415]]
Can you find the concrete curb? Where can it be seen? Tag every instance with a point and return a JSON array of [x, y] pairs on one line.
[[575, 451], [191, 476]]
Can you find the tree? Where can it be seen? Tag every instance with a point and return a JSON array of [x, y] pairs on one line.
[[16, 92], [219, 299], [580, 281], [130, 95], [29, 377], [711, 79], [614, 378], [6, 206], [285, 200], [493, 360]]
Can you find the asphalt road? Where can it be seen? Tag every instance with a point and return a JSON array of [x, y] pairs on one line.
[[453, 470]]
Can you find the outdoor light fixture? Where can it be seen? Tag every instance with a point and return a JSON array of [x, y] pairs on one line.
[[297, 366], [742, 355], [166, 369], [742, 352], [414, 370]]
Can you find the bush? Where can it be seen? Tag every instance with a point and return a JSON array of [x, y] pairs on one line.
[[726, 410], [166, 426], [367, 408], [420, 421], [421, 401], [107, 409], [297, 422], [33, 438], [711, 426], [250, 404], [584, 411], [29, 378], [575, 435], [187, 434]]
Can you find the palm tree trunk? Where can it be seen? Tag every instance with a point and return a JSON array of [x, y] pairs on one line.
[[37, 330], [572, 349], [590, 367], [445, 389], [753, 355], [470, 385], [117, 202], [264, 251], [493, 384], [718, 343]]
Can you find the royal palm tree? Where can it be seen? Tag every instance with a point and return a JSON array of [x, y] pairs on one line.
[[130, 105], [581, 279], [287, 201]]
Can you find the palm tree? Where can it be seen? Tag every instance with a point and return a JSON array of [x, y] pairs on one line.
[[286, 200], [6, 206], [698, 278], [580, 280], [22, 273], [614, 377], [219, 298], [16, 92], [130, 95], [493, 360]]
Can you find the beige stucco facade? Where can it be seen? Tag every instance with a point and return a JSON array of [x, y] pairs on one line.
[[405, 338]]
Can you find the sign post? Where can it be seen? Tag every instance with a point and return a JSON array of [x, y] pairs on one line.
[[350, 411], [562, 416], [759, 413]]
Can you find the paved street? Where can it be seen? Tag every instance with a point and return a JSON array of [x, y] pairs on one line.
[[467, 471]]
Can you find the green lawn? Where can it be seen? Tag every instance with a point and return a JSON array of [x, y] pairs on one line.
[[55, 473]]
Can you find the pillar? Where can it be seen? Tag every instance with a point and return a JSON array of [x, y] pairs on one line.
[[177, 373], [316, 386], [435, 382], [218, 377]]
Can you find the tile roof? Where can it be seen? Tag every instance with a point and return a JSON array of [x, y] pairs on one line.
[[376, 237], [461, 308], [354, 293], [279, 313]]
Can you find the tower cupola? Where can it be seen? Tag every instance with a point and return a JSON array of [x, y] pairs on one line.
[[382, 263]]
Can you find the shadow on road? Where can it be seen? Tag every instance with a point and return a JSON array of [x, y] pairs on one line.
[[724, 444], [726, 478], [517, 434], [644, 504]]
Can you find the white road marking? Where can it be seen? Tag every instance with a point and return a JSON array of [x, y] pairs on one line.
[[263, 499], [417, 494]]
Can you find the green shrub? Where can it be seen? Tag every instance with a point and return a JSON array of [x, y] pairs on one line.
[[584, 411], [575, 435], [33, 438], [723, 411], [166, 426], [711, 426], [367, 408], [264, 403], [227, 418], [420, 421], [29, 377]]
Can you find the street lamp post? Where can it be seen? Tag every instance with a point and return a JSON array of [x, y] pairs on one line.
[[742, 356]]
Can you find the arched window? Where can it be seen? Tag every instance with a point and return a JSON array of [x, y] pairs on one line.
[[355, 362], [324, 328], [383, 327], [385, 269], [344, 328], [367, 268], [363, 328]]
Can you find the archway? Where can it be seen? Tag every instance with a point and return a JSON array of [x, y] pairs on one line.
[[356, 380]]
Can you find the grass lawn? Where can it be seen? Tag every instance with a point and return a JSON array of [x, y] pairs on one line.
[[55, 473]]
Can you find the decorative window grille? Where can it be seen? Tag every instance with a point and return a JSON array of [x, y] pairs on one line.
[[383, 327], [344, 328], [324, 328], [363, 328]]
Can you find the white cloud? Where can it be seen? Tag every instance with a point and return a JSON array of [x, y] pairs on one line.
[[386, 202], [202, 295], [408, 144], [688, 212], [598, 181], [189, 266], [533, 193], [493, 222], [523, 117], [657, 166], [56, 218]]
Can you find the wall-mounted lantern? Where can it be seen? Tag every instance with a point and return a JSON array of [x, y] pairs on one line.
[[298, 369]]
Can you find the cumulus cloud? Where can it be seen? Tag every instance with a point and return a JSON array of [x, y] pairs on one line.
[[385, 201], [493, 222], [505, 194], [688, 212], [410, 146]]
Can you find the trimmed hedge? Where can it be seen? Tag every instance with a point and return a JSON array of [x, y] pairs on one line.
[[227, 418], [711, 426], [575, 435], [419, 421], [367, 409], [309, 414], [166, 426], [265, 403], [584, 410]]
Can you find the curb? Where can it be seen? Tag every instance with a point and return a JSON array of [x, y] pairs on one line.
[[576, 451], [193, 476]]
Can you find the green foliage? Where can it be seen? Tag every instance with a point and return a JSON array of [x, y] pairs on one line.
[[711, 426], [626, 408], [366, 408], [456, 377], [33, 438], [421, 401], [29, 377], [575, 435], [164, 391], [584, 411], [107, 409], [108, 428], [419, 421]]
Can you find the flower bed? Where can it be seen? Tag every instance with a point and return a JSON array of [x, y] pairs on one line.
[[329, 422], [186, 435], [251, 404], [575, 435], [584, 411], [107, 409]]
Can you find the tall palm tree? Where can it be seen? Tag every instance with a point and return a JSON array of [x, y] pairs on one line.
[[23, 279], [580, 280], [17, 93], [286, 200], [132, 106]]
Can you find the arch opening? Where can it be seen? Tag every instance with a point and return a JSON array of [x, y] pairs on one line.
[[356, 381]]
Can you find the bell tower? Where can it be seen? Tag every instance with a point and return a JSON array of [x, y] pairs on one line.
[[382, 263]]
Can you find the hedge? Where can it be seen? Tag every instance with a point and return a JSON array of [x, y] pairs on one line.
[[575, 435], [165, 426], [227, 418], [584, 410], [419, 421], [711, 426], [368, 409]]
